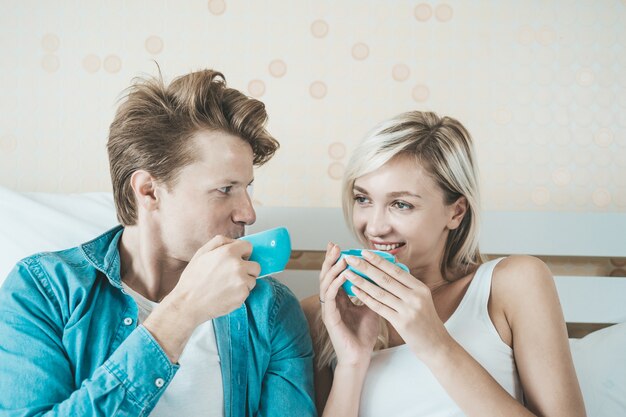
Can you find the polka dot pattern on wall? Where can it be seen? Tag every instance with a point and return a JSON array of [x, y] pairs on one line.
[[337, 150], [278, 68], [154, 45], [319, 28], [525, 35], [335, 170], [50, 42], [217, 7], [502, 116], [318, 89], [8, 144], [585, 77], [540, 196], [601, 197], [91, 63], [360, 51], [50, 63], [561, 177], [420, 93], [546, 36], [112, 64], [423, 12], [256, 88], [443, 12], [603, 137], [400, 72]]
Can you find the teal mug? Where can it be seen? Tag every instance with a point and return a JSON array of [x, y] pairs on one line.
[[347, 286], [271, 249]]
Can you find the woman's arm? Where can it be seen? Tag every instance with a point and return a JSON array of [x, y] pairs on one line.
[[352, 330], [525, 289]]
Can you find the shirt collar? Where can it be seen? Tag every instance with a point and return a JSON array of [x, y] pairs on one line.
[[103, 253]]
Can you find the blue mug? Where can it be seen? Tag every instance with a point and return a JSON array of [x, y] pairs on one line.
[[271, 249], [347, 286]]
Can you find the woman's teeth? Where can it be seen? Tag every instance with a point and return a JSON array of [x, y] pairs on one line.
[[387, 247]]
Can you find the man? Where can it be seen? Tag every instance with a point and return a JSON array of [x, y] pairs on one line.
[[163, 315]]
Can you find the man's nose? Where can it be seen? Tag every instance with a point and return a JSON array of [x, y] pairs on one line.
[[244, 211]]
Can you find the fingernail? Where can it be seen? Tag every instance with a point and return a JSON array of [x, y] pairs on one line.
[[367, 254]]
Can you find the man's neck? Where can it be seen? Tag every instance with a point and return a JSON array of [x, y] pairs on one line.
[[145, 266]]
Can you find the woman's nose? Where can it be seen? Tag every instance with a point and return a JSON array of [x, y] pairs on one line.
[[377, 224]]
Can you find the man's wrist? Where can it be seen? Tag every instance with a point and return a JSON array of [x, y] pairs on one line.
[[170, 327]]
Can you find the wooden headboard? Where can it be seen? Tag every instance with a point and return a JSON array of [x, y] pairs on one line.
[[585, 251]]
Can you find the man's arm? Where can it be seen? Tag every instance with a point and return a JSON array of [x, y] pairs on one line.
[[288, 383], [37, 377]]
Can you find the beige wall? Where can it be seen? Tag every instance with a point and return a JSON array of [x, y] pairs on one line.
[[540, 84]]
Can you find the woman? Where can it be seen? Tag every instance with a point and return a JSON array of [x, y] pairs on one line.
[[456, 336]]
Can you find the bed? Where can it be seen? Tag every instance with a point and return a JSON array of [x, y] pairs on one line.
[[585, 251]]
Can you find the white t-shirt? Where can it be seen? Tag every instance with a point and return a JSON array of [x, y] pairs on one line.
[[196, 389]]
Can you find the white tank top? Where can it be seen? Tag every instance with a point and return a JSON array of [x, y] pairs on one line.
[[398, 384], [196, 389]]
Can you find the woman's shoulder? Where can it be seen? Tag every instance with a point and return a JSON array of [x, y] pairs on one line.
[[521, 270], [518, 276]]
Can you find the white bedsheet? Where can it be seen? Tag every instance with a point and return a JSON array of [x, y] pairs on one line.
[[36, 222]]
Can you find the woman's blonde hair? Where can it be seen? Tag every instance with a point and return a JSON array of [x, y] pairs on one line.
[[443, 147]]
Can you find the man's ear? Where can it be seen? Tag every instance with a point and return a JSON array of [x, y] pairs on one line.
[[458, 212], [144, 186]]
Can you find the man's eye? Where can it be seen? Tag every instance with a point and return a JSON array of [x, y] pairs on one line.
[[225, 190], [250, 190]]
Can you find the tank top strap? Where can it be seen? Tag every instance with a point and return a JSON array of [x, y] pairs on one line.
[[476, 298]]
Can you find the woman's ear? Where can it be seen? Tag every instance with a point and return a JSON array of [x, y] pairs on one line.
[[144, 187], [458, 212]]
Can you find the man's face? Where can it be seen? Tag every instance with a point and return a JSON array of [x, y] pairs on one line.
[[210, 197]]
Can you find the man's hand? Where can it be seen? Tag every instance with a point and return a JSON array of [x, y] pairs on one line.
[[217, 280]]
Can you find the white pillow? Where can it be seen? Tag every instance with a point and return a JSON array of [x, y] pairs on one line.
[[600, 361], [36, 222]]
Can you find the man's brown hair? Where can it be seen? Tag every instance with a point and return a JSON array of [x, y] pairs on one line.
[[155, 122]]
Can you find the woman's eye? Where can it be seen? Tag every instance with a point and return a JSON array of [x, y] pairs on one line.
[[360, 199], [225, 190], [402, 205]]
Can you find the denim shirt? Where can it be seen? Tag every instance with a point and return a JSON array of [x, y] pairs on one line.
[[70, 344]]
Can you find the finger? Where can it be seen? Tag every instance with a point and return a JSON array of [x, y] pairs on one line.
[[253, 269], [329, 297], [384, 273], [216, 242], [241, 248], [376, 306], [332, 275], [402, 276], [332, 253], [251, 283], [379, 294]]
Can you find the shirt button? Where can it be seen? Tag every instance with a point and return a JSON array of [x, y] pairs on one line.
[[159, 382], [128, 321]]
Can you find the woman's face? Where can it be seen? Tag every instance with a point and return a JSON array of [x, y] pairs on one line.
[[401, 210]]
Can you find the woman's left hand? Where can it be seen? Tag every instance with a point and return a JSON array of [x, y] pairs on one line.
[[403, 300]]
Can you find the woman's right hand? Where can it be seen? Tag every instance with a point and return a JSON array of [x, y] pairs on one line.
[[353, 329]]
